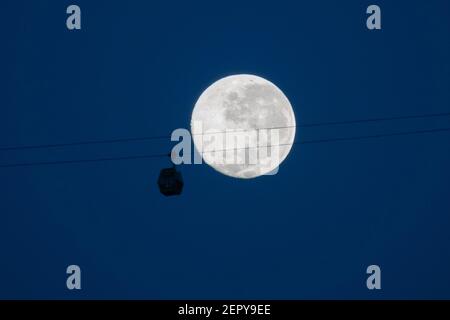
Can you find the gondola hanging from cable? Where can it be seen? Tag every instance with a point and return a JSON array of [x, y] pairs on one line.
[[170, 182]]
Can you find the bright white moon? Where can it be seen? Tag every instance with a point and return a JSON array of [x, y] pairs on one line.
[[242, 104]]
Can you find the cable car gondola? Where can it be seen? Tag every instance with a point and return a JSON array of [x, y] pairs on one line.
[[170, 182]]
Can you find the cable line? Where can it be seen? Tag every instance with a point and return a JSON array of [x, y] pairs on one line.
[[163, 137], [136, 157], [46, 163], [332, 123], [381, 135], [80, 143]]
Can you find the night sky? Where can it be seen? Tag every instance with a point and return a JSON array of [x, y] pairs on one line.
[[136, 68]]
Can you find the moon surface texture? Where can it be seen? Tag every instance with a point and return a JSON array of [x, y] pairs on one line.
[[246, 108]]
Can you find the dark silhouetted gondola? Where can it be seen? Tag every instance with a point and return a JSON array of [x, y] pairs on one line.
[[170, 182]]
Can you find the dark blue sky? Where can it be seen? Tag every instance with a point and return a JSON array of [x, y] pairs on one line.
[[136, 69]]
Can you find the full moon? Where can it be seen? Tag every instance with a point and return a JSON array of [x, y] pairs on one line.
[[251, 109]]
